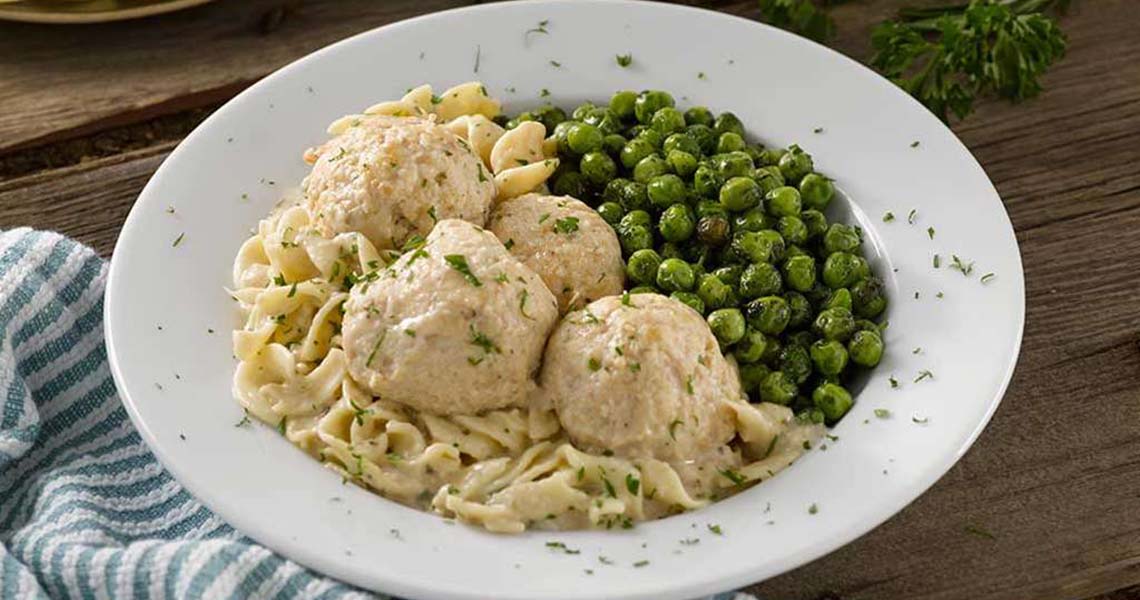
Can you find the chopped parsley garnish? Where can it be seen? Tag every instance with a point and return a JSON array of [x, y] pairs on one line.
[[279, 280], [431, 213], [414, 242], [522, 303], [510, 243], [480, 339], [689, 385], [566, 225], [244, 421], [673, 428], [923, 375], [593, 364], [634, 367], [640, 563], [543, 217], [917, 350], [459, 263], [914, 144], [912, 216], [964, 267], [817, 130], [894, 382], [625, 299], [561, 546], [541, 28], [581, 473], [610, 491], [605, 560], [632, 483], [624, 60], [771, 445], [690, 541], [701, 76], [292, 290], [888, 217], [410, 332], [556, 64], [988, 277], [482, 176], [813, 509], [372, 355], [178, 240], [937, 261], [478, 56], [733, 476], [978, 531], [716, 529], [882, 413], [930, 232], [543, 93], [281, 426], [922, 421], [502, 278]]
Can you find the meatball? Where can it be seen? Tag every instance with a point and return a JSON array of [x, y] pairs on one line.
[[567, 243], [641, 375], [455, 327], [392, 177]]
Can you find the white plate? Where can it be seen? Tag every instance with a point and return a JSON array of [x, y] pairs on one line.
[[783, 88]]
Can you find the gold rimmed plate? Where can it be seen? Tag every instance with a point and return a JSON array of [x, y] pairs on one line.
[[87, 11]]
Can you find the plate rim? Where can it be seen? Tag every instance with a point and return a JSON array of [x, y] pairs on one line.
[[931, 472]]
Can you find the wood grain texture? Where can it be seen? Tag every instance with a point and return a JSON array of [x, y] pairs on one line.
[[1056, 475]]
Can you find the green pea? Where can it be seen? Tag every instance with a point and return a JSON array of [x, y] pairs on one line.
[[751, 375], [866, 325], [818, 294], [729, 275], [550, 116], [672, 250], [635, 238], [611, 212], [560, 132], [733, 164], [652, 136], [804, 339], [783, 202], [651, 166], [772, 156], [727, 122], [834, 323], [739, 193], [768, 315], [519, 119], [727, 324], [866, 348], [707, 182], [795, 164], [867, 298], [811, 415], [689, 299], [644, 289], [712, 231], [634, 196], [582, 138], [730, 142], [756, 151], [649, 102], [833, 400], [570, 183], [829, 357], [840, 238], [683, 142], [597, 168], [750, 348], [775, 242], [712, 291], [699, 115], [705, 137], [799, 272], [636, 218], [751, 220], [641, 268], [771, 355], [815, 221], [635, 151], [582, 110], [683, 163], [840, 270], [862, 268], [606, 121], [710, 208], [769, 178], [622, 104], [792, 229], [800, 310], [760, 279], [841, 298], [778, 388], [750, 246], [675, 275], [668, 121], [676, 224], [665, 190], [817, 191], [795, 362], [613, 144], [796, 250]]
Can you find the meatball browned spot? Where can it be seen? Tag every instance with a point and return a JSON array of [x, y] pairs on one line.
[[566, 242], [455, 327], [393, 177], [640, 375]]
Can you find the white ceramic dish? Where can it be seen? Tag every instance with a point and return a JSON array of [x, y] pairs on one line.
[[229, 172]]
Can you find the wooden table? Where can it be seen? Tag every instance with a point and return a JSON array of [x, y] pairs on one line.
[[90, 112]]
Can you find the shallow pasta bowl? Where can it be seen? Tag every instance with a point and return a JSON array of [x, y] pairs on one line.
[[168, 315]]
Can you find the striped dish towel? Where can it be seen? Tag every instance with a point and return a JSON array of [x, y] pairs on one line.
[[85, 510]]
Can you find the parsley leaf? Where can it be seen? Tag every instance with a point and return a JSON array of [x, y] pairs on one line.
[[459, 263]]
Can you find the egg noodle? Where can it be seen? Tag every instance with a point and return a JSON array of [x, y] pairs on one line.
[[506, 469]]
